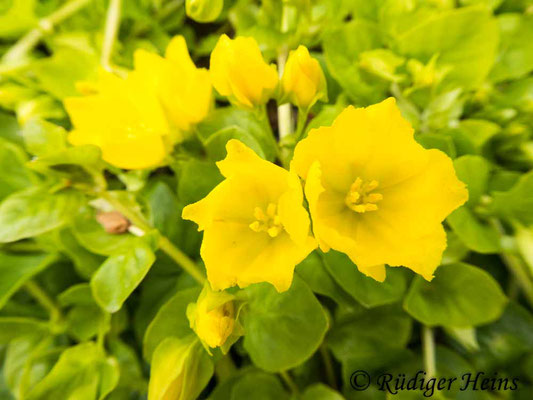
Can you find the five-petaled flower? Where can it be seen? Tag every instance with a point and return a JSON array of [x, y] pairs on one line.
[[375, 194], [255, 226]]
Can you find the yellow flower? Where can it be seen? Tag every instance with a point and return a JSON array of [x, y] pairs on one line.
[[303, 82], [123, 118], [375, 194], [255, 227], [185, 91], [239, 72], [212, 317]]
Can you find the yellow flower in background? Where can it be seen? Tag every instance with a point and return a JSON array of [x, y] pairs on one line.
[[375, 194], [303, 82], [239, 72], [255, 226], [212, 317], [123, 118], [185, 91]]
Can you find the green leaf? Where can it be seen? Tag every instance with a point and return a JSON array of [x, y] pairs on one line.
[[15, 269], [43, 138], [17, 18], [465, 39], [180, 369], [86, 263], [272, 319], [227, 123], [120, 274], [196, 179], [460, 295], [516, 203], [438, 141], [14, 175], [85, 321], [12, 327], [313, 271], [367, 291], [342, 47], [35, 211], [479, 131], [474, 233], [369, 339], [474, 171], [9, 127], [171, 320], [516, 47], [258, 385], [319, 391], [82, 372]]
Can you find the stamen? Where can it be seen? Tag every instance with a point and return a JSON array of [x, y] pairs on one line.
[[268, 222], [360, 199]]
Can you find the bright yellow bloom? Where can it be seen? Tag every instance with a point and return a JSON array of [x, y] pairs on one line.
[[239, 72], [123, 118], [212, 317], [184, 90], [375, 194], [255, 227], [303, 82]]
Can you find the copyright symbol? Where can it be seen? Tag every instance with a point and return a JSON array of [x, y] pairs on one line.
[[360, 380]]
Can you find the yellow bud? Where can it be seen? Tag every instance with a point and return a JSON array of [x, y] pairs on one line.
[[203, 10], [239, 72], [303, 82], [212, 317]]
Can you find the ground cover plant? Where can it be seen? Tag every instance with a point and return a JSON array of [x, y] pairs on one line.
[[300, 199]]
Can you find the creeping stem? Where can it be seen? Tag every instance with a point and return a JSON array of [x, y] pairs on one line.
[[164, 243], [428, 340], [44, 27]]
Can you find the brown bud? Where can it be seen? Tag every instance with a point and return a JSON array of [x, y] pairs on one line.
[[113, 222]]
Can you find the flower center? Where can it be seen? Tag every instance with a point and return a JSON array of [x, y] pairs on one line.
[[268, 221], [360, 197]]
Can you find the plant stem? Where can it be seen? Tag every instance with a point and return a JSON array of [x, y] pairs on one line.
[[302, 120], [289, 382], [164, 243], [516, 266], [111, 29], [265, 120], [44, 300], [224, 368], [44, 26], [284, 111], [328, 364], [428, 340]]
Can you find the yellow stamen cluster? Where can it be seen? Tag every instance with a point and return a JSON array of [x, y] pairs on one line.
[[360, 197], [268, 222]]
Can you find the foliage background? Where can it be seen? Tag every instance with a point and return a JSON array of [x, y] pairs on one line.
[[461, 73]]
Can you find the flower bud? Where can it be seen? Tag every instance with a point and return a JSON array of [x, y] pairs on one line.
[[303, 82], [239, 72], [212, 317], [203, 10]]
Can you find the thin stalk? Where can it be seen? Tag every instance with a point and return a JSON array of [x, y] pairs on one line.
[[111, 28], [302, 121], [516, 266], [289, 382], [428, 340], [164, 243], [44, 27], [265, 120], [44, 300], [285, 126], [328, 365]]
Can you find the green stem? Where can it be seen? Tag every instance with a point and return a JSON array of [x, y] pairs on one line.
[[284, 111], [289, 382], [164, 243], [428, 340], [516, 266], [111, 28], [302, 121], [44, 300], [224, 368], [328, 364], [44, 27], [265, 120]]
